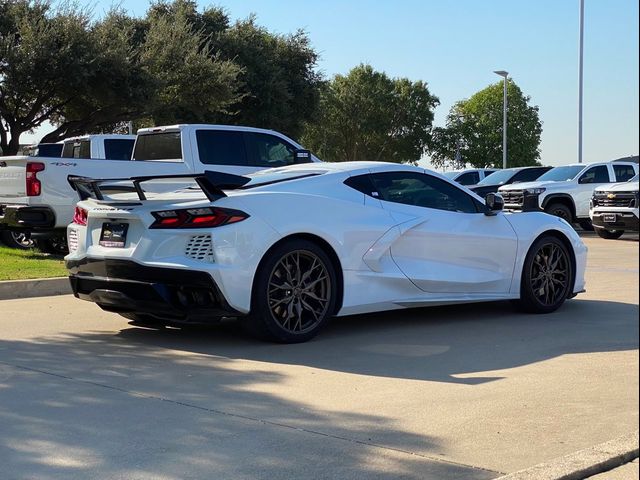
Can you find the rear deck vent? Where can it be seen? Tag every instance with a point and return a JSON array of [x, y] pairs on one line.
[[199, 248]]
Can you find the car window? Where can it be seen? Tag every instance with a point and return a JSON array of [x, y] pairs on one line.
[[598, 174], [469, 178], [221, 147], [118, 149], [270, 151], [623, 172], [528, 174], [421, 190]]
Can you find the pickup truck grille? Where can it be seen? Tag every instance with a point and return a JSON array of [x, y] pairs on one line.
[[513, 197], [615, 199]]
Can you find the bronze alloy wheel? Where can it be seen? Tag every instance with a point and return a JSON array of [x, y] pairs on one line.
[[550, 274], [299, 291]]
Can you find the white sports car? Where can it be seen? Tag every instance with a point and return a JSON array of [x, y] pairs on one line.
[[286, 249]]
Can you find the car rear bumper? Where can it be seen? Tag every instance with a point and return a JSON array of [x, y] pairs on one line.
[[624, 221], [171, 294], [25, 217]]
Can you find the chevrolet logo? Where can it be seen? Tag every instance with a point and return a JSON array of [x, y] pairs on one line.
[[611, 195]]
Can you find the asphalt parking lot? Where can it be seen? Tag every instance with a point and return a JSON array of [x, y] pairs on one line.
[[442, 393]]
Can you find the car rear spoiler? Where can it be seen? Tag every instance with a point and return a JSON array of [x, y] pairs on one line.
[[211, 182]]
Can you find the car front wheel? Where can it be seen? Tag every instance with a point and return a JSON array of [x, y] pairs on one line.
[[547, 276], [294, 293]]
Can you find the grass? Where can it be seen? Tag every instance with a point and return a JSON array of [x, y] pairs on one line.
[[18, 264]]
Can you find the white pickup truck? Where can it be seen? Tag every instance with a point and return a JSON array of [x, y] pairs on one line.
[[565, 191], [36, 197]]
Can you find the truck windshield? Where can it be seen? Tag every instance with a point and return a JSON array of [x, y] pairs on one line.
[[498, 178], [561, 174], [158, 146]]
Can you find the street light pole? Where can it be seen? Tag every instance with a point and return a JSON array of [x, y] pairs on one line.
[[580, 68], [504, 75]]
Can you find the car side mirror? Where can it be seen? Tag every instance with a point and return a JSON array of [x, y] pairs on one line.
[[494, 203], [302, 156]]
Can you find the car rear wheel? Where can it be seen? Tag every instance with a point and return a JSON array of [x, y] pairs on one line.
[[609, 234], [17, 240], [547, 276], [294, 293]]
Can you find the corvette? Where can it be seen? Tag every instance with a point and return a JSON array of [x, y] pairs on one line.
[[288, 248]]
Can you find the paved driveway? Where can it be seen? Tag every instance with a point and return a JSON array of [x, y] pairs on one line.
[[455, 392]]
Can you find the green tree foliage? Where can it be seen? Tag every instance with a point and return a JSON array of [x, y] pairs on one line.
[[46, 59], [473, 135], [366, 115], [175, 65]]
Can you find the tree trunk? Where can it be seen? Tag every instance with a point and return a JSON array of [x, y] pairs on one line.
[[12, 146]]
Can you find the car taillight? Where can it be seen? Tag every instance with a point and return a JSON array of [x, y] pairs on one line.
[[197, 217], [33, 184], [80, 216]]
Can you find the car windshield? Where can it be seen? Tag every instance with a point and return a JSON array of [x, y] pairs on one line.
[[498, 178], [634, 179], [451, 174], [561, 174]]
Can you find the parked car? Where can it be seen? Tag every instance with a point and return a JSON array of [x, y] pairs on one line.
[[470, 176], [565, 191], [491, 183], [287, 248], [614, 208], [36, 198]]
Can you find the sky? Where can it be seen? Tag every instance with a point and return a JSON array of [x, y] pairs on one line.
[[456, 45]]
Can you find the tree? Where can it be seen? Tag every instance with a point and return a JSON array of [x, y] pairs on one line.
[[175, 65], [46, 58], [473, 134], [366, 115]]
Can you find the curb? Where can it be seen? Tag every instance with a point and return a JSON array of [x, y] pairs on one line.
[[37, 287], [584, 463]]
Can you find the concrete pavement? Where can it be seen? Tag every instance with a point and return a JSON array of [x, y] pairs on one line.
[[457, 392]]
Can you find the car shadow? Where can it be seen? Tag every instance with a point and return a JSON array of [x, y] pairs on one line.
[[436, 344]]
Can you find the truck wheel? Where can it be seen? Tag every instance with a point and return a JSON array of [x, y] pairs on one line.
[[559, 210], [547, 276], [55, 245], [17, 240], [586, 225], [609, 234]]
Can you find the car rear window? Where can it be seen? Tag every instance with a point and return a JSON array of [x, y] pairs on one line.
[[158, 146]]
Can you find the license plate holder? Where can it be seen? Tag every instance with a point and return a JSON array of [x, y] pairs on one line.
[[609, 217], [113, 234]]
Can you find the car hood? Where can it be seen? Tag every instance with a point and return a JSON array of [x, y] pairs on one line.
[[618, 187], [526, 185]]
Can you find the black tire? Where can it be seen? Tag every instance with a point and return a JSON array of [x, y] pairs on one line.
[[294, 293], [55, 245], [547, 276], [609, 234], [18, 240], [560, 210], [586, 225]]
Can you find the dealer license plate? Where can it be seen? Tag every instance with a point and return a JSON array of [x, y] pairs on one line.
[[609, 217], [113, 235]]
